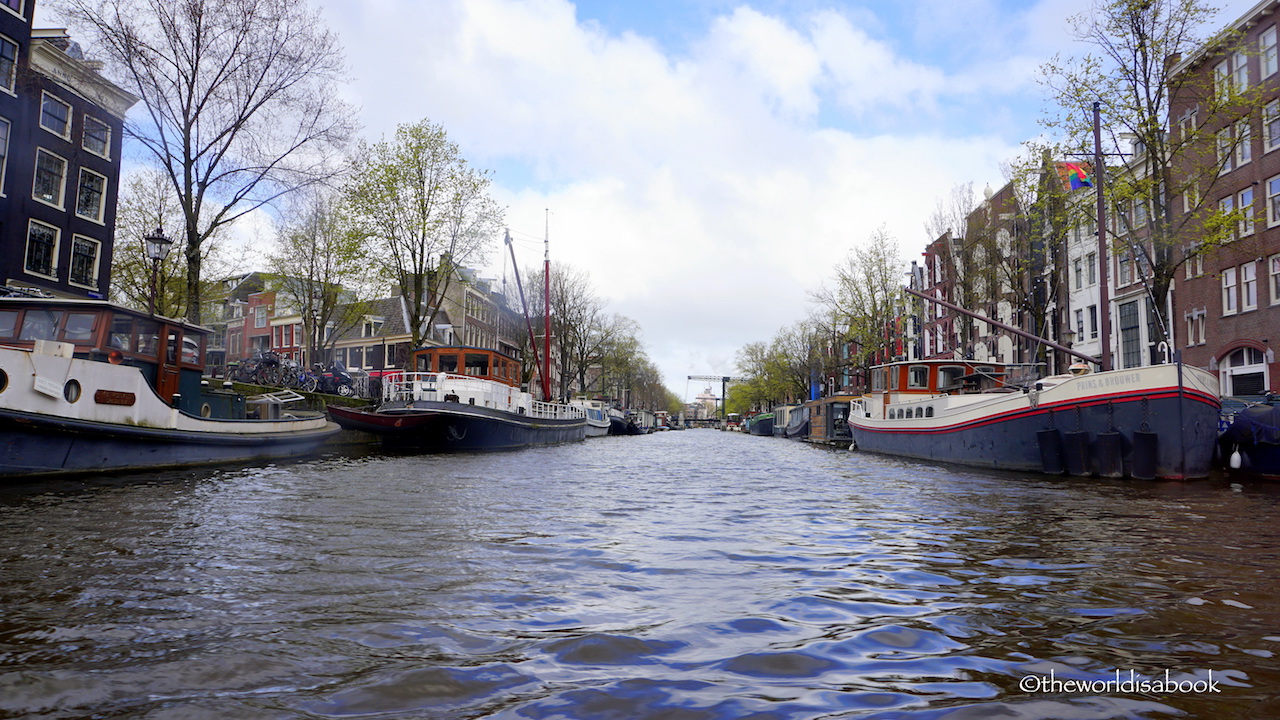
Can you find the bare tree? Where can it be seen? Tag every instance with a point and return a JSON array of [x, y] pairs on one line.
[[867, 295], [239, 96], [148, 202], [429, 212]]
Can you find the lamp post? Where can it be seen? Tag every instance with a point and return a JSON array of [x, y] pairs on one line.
[[157, 247]]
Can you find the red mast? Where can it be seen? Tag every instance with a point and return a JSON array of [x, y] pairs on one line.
[[546, 287]]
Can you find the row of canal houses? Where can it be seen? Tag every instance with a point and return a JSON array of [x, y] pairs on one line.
[[1223, 307], [256, 314]]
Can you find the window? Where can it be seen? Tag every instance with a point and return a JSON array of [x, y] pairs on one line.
[[84, 261], [42, 249], [1221, 81], [1271, 126], [1267, 52], [97, 137], [1079, 272], [260, 316], [51, 172], [1124, 272], [1226, 206], [1246, 208], [1190, 121], [55, 116], [1230, 298], [1244, 142], [4, 151], [1130, 335], [1244, 372], [14, 5], [1274, 264], [1091, 262], [1194, 264], [1195, 327], [1139, 213], [1226, 152], [1240, 72], [1093, 322], [1249, 286], [918, 376], [1080, 324], [1273, 202], [8, 63], [89, 200]]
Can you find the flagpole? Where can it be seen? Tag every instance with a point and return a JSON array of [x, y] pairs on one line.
[[1104, 257]]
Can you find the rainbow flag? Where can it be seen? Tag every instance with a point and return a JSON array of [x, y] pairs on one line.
[[1074, 175]]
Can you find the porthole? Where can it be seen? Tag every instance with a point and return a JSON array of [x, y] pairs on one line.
[[205, 410], [71, 391], [4, 380]]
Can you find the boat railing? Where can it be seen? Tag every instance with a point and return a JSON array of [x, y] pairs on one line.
[[556, 411]]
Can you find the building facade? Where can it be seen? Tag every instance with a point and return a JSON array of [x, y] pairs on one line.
[[61, 127]]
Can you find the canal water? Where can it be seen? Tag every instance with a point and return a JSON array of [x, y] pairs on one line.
[[685, 575]]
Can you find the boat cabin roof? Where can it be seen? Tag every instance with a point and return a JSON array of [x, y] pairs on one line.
[[482, 363]]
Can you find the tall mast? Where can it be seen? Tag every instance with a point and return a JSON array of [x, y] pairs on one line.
[[533, 340], [1104, 257], [546, 287]]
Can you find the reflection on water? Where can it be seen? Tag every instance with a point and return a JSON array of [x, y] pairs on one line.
[[682, 575]]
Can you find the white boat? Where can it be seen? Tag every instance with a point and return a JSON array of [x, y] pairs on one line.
[[597, 416], [88, 386]]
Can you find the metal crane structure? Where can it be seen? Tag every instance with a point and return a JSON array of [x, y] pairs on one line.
[[724, 385]]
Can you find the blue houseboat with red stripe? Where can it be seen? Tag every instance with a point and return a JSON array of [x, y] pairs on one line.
[[1158, 421]]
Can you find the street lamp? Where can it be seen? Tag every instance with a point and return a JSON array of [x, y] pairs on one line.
[[157, 247]]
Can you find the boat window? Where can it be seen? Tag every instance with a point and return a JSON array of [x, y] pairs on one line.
[[79, 327], [918, 376], [477, 364], [422, 362], [895, 379], [877, 379], [192, 350], [148, 338], [171, 347], [8, 323], [448, 363], [949, 377], [928, 412], [40, 324], [919, 412], [121, 333]]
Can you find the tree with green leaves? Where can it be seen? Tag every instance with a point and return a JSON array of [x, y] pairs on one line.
[[239, 102], [866, 297], [1163, 191], [427, 213]]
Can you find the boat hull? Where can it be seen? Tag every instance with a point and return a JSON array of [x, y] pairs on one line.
[[1143, 423], [32, 444], [433, 426]]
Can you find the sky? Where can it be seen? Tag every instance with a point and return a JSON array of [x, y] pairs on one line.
[[708, 163]]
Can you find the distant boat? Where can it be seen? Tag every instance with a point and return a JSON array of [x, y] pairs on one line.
[[463, 399], [1158, 421], [761, 424], [781, 419], [733, 421], [598, 421], [797, 423], [89, 386]]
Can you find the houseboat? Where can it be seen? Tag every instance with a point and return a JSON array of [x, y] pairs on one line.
[[89, 386], [1158, 421], [463, 399]]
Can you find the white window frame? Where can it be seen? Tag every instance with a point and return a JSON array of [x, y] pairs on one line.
[[1091, 264], [1226, 152], [97, 260], [1230, 292], [1271, 126], [1248, 286], [53, 261], [84, 137], [9, 8], [1273, 201], [1267, 53], [62, 183], [1244, 142], [1245, 201], [45, 98], [97, 217], [6, 130], [9, 80], [1240, 72], [1221, 81], [1273, 263]]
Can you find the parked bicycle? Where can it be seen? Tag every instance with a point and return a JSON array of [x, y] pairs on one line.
[[261, 369], [294, 375]]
